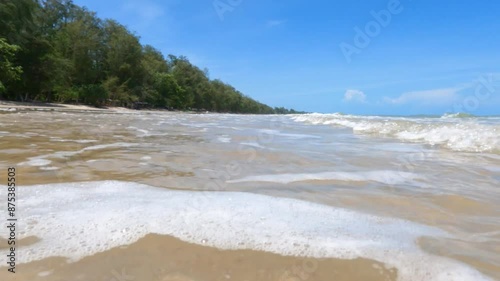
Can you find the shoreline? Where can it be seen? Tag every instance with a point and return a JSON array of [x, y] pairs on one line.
[[35, 106], [13, 106]]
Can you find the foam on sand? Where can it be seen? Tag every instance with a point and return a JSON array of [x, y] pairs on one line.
[[80, 219]]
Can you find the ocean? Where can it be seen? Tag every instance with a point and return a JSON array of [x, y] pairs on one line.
[[144, 195]]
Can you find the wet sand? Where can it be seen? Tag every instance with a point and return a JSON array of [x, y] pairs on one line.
[[163, 258]]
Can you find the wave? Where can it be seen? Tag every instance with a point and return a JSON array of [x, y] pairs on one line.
[[228, 220], [457, 132], [458, 115], [42, 160]]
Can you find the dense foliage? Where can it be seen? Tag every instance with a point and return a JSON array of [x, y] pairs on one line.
[[56, 51]]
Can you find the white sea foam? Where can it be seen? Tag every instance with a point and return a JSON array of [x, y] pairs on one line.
[[386, 177], [224, 139], [77, 141], [63, 154], [8, 109], [454, 132], [268, 132], [49, 168], [81, 219], [142, 133], [42, 160], [36, 162], [105, 146], [253, 144]]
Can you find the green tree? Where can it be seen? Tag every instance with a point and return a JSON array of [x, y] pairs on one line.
[[169, 93], [16, 20], [192, 79], [153, 63], [93, 94], [8, 71], [124, 59]]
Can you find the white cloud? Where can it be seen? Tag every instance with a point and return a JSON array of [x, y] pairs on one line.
[[354, 95], [272, 23], [429, 97]]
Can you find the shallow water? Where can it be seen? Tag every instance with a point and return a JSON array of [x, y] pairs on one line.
[[413, 198]]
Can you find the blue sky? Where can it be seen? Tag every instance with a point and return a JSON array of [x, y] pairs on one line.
[[360, 57]]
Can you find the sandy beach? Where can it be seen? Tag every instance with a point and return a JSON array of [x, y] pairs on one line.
[[59, 107], [163, 258]]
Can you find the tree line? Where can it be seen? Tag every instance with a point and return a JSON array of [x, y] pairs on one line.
[[57, 51]]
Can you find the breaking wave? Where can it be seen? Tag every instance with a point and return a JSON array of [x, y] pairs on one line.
[[458, 132]]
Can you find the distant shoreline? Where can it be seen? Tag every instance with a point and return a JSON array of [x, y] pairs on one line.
[[6, 106], [28, 106]]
